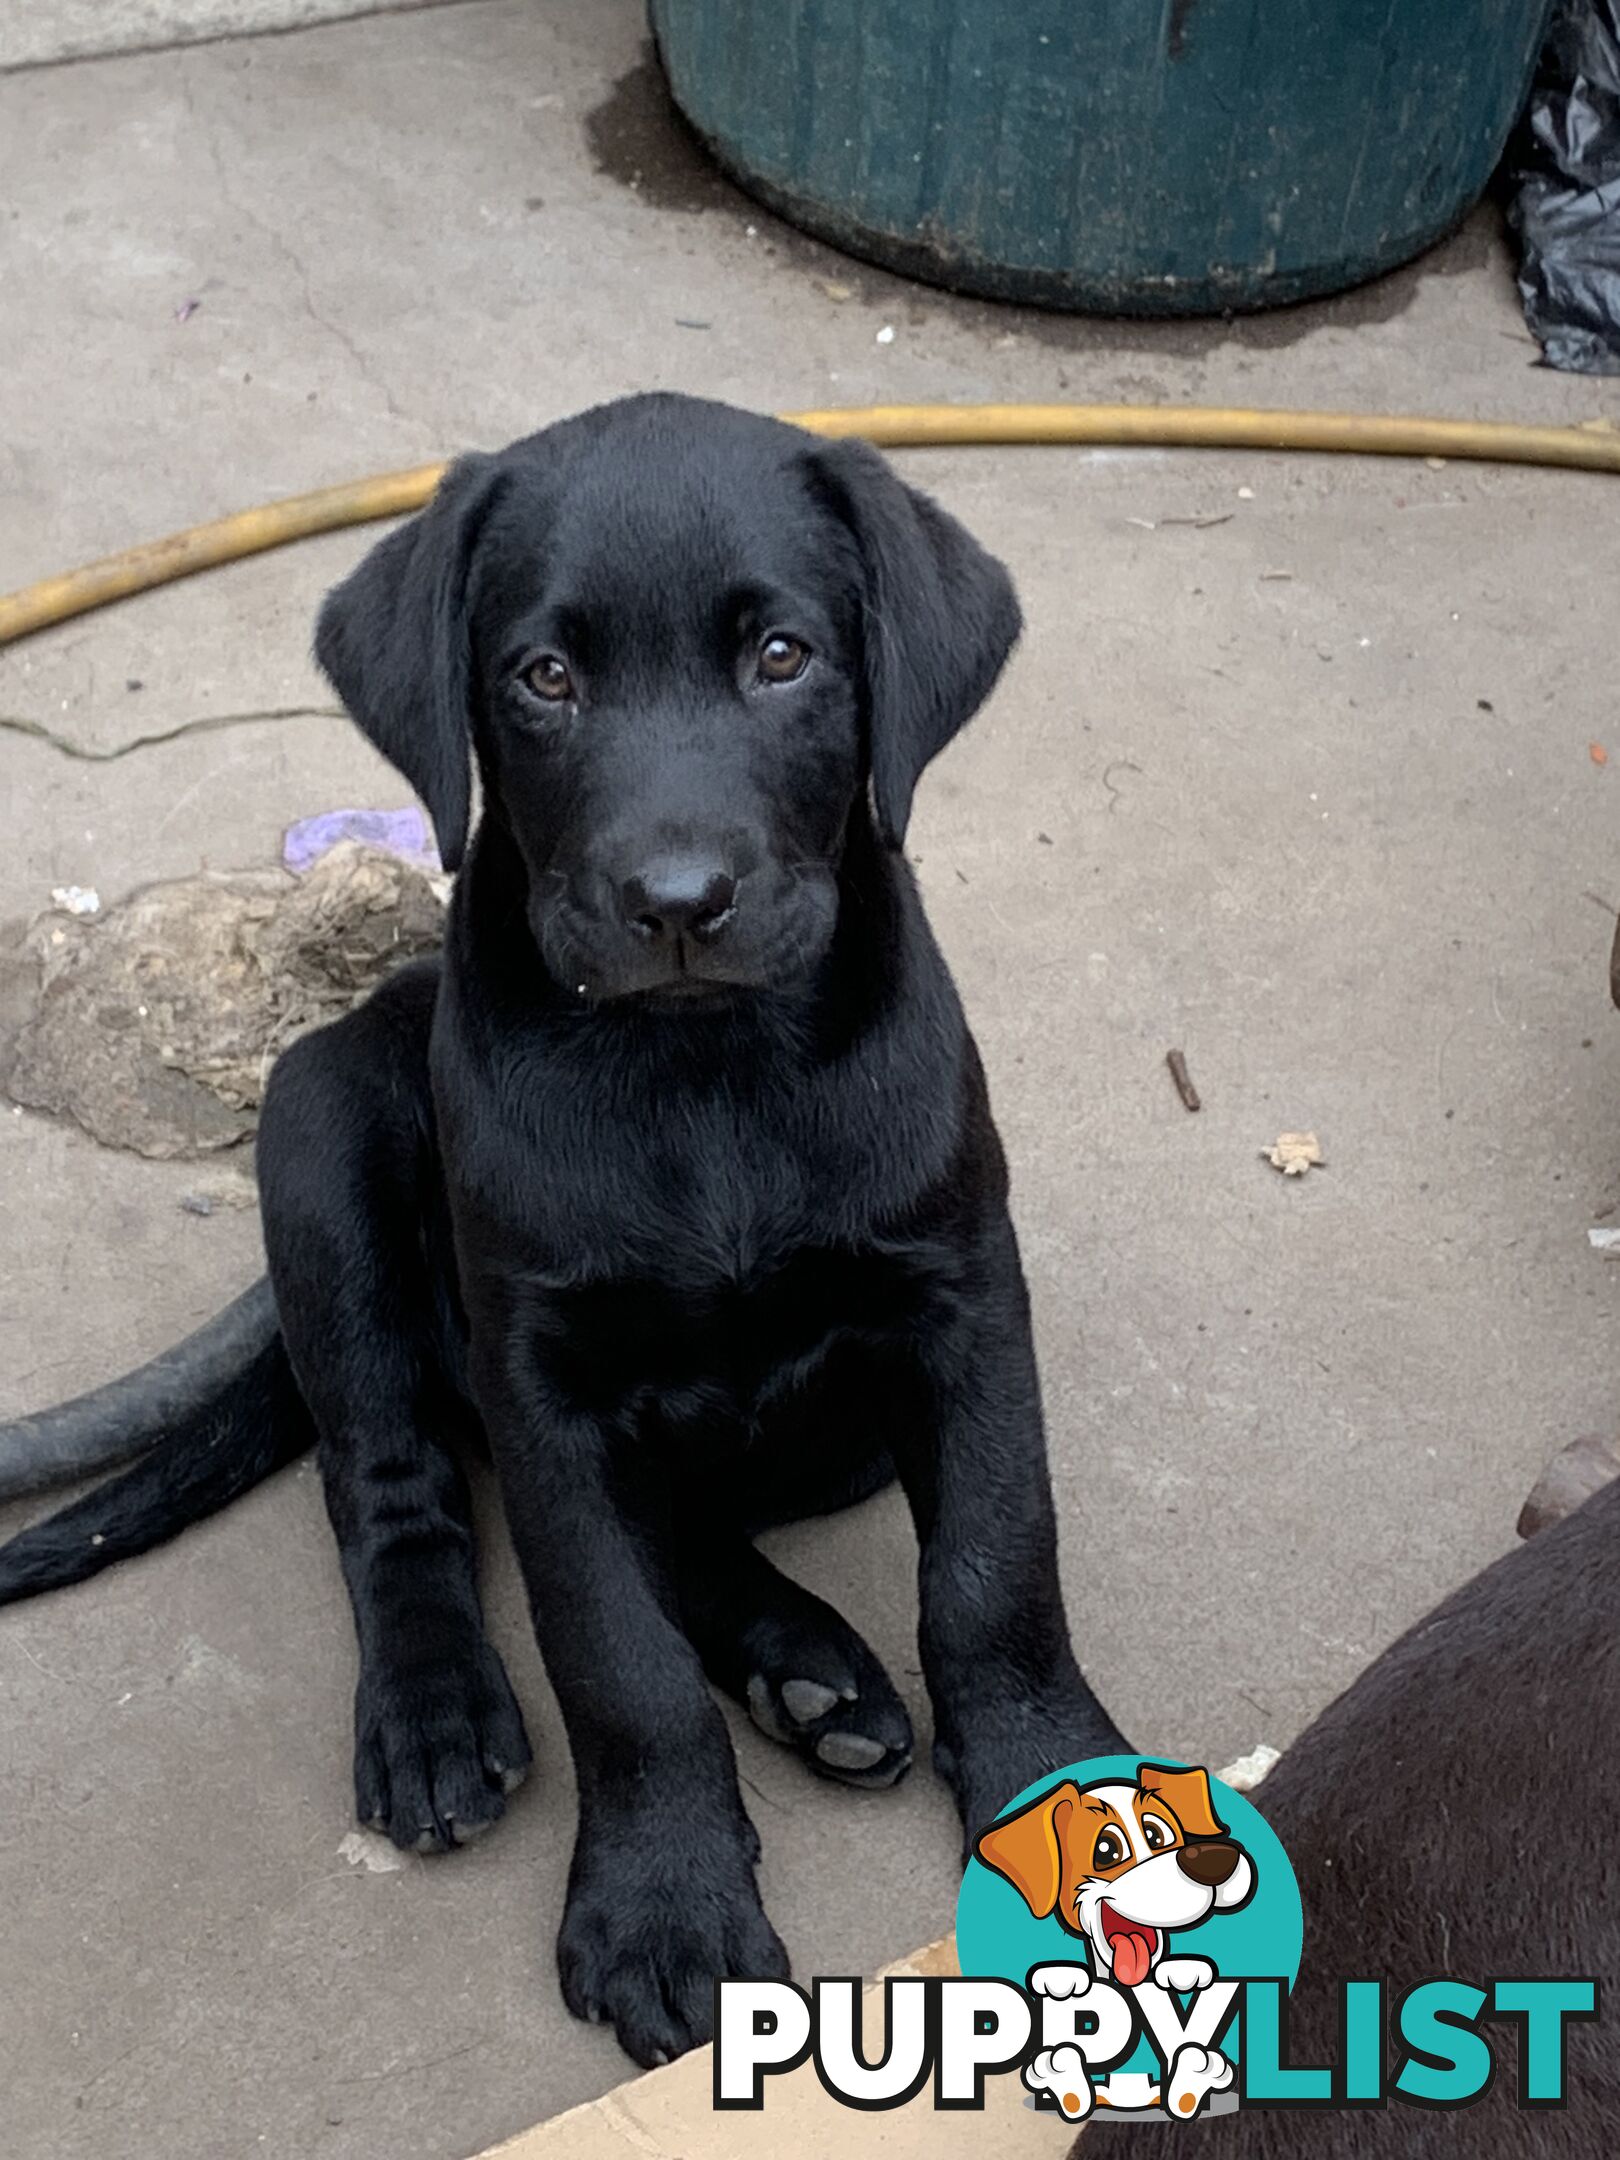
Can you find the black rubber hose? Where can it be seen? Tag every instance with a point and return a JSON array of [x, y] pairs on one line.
[[115, 1423]]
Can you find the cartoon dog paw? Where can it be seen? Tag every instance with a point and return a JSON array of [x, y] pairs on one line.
[[1063, 1983], [1061, 2072], [1194, 2075], [1183, 1975]]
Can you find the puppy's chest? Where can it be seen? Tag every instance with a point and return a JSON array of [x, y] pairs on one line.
[[727, 1350], [703, 1203]]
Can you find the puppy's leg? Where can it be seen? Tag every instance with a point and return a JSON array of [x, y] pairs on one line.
[[796, 1665], [662, 1900], [1009, 1700], [346, 1172]]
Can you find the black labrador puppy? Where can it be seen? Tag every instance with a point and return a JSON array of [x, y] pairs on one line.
[[678, 1177]]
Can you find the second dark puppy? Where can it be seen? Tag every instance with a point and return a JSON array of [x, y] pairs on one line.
[[1448, 1816], [679, 1178]]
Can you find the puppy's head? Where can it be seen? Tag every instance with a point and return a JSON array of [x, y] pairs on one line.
[[686, 646], [1121, 1864]]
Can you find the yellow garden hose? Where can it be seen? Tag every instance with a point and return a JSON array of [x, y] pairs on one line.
[[1593, 447]]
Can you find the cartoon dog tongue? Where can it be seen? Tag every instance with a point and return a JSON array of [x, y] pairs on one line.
[[1132, 1945]]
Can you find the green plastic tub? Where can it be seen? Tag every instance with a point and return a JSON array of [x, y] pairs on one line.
[[1148, 157]]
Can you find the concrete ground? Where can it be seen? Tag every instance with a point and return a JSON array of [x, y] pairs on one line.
[[45, 31], [1293, 771]]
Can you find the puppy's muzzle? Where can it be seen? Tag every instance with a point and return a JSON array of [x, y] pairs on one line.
[[1210, 1863]]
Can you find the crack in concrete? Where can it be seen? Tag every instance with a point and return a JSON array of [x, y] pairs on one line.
[[364, 366], [135, 45], [207, 724]]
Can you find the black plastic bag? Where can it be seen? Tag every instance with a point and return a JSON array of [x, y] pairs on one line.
[[1564, 173]]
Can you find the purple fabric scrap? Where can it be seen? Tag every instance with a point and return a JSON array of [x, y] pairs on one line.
[[399, 832]]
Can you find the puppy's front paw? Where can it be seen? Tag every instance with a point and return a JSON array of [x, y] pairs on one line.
[[1062, 1983], [1060, 2073], [437, 1750], [1194, 2075], [1183, 1975], [658, 1910]]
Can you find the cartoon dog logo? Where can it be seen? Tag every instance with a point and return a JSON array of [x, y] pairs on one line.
[[1121, 1865]]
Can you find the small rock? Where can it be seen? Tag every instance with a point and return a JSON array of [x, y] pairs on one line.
[[154, 1026]]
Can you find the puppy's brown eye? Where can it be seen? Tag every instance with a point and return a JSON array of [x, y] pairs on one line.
[[782, 659], [1154, 1834], [549, 679], [1109, 1849]]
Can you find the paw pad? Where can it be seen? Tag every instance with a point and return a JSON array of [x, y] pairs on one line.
[[806, 1700], [850, 1751]]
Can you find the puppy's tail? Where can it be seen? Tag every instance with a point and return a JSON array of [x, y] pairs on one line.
[[113, 1424], [221, 1432]]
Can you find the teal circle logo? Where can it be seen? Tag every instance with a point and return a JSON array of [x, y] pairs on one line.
[[1127, 1894]]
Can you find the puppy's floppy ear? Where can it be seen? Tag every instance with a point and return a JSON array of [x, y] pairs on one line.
[[1027, 1848], [938, 619], [1188, 1796], [393, 641]]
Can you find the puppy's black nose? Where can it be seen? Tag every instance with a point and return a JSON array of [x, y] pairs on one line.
[[1209, 1864], [679, 896]]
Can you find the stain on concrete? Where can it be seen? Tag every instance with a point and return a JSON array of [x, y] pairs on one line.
[[638, 137]]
